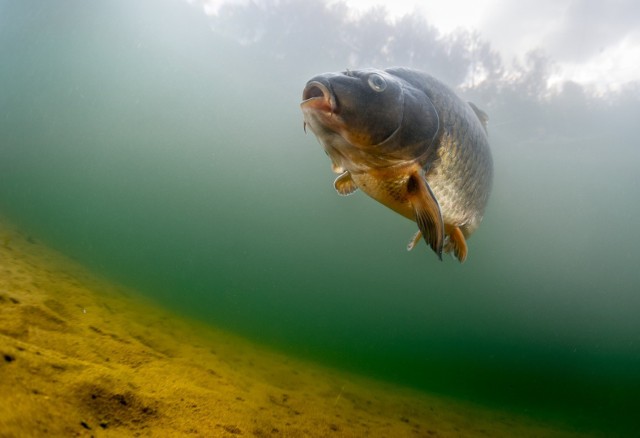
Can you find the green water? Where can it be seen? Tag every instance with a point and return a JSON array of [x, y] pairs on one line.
[[160, 154]]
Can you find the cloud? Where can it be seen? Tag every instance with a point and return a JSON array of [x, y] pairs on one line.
[[593, 42], [590, 27], [589, 41]]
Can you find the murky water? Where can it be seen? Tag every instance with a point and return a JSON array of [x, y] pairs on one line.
[[139, 142]]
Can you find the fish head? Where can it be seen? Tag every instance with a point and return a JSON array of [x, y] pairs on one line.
[[366, 118]]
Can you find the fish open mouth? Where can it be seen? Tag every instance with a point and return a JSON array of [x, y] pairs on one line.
[[314, 89], [317, 95]]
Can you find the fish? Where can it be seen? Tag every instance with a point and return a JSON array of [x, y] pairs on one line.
[[411, 143]]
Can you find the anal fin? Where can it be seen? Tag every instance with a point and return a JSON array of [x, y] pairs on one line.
[[427, 212], [344, 184], [457, 243]]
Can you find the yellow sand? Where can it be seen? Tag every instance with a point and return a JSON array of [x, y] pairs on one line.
[[80, 356]]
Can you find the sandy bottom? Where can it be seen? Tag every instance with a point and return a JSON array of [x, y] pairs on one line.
[[80, 356]]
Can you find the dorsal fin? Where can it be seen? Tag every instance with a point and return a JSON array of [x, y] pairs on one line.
[[482, 116]]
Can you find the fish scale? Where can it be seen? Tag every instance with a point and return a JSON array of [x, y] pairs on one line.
[[409, 142]]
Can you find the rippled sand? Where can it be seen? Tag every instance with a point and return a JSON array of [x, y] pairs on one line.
[[84, 357]]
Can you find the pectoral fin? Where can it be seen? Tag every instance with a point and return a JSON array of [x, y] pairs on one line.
[[344, 184], [427, 211]]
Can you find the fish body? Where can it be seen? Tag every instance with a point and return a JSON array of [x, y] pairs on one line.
[[409, 142]]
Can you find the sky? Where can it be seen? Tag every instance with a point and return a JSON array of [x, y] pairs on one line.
[[595, 43]]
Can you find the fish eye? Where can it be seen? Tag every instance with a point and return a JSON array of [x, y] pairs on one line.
[[377, 83]]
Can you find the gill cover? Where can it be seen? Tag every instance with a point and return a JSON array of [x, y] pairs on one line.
[[387, 114]]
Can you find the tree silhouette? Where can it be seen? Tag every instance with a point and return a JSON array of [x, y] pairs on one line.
[[316, 36], [315, 32]]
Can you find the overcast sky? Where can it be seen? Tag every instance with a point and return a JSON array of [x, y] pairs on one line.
[[593, 42]]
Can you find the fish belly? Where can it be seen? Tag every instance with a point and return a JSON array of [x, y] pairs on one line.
[[388, 187]]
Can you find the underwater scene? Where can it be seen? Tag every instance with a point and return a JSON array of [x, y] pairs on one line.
[[175, 260]]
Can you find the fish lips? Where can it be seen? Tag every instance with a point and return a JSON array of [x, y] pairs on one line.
[[320, 107], [318, 95]]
